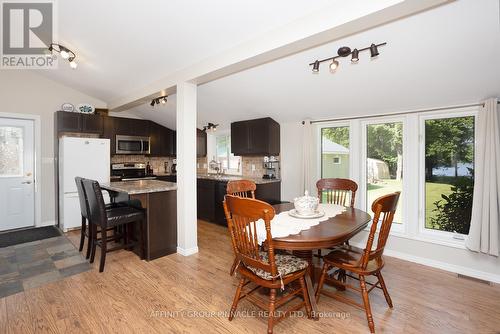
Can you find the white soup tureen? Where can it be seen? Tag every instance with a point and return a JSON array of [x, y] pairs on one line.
[[306, 205]]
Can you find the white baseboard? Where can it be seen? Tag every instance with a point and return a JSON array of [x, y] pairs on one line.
[[187, 252], [438, 264]]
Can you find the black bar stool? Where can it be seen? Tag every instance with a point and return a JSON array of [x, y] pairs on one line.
[[124, 216], [84, 210]]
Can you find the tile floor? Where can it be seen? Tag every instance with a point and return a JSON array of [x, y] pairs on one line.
[[32, 264]]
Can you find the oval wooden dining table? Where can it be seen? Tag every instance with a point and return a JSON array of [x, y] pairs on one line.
[[329, 233]]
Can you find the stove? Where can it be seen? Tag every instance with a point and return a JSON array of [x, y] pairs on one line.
[[130, 171]]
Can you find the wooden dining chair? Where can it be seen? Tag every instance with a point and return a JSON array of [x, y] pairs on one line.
[[240, 188], [336, 191], [363, 263], [263, 268]]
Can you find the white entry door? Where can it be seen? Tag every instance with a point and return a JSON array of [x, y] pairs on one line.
[[17, 188]]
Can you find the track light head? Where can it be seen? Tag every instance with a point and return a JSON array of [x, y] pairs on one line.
[[316, 66], [334, 65], [374, 50], [355, 56]]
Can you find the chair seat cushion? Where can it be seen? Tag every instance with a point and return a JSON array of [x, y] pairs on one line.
[[285, 264], [123, 214]]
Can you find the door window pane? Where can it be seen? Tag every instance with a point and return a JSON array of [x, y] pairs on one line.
[[335, 152], [11, 151], [449, 173], [384, 163]]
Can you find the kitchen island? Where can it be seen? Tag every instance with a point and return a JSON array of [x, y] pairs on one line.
[[159, 199]]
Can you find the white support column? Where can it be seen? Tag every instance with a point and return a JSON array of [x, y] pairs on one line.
[[187, 236]]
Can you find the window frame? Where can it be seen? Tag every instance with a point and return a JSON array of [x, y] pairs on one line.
[[396, 229], [443, 237]]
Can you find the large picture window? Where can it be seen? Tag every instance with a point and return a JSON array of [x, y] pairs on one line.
[[449, 173]]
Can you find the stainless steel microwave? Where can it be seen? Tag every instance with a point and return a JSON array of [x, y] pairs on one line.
[[132, 145]]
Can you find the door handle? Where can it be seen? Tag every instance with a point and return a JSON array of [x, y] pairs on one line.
[[26, 182]]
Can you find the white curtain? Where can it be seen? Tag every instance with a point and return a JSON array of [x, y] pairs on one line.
[[484, 229], [307, 159]]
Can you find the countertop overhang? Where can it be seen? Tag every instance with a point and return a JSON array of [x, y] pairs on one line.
[[140, 186]]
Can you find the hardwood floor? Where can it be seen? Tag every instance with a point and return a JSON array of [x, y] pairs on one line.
[[134, 296]]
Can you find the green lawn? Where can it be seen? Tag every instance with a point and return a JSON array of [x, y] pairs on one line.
[[433, 191]]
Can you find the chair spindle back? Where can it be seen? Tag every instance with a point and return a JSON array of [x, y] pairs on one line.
[[337, 191]]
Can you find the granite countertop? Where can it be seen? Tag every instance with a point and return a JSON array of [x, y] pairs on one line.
[[225, 178], [140, 186]]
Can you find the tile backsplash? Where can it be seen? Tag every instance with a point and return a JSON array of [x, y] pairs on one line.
[[247, 162], [157, 163]]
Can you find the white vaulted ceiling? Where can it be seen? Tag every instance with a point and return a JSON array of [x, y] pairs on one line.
[[446, 56], [125, 44]]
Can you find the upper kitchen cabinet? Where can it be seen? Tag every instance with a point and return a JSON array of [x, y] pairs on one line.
[[131, 126], [255, 137], [161, 140], [201, 143], [77, 122]]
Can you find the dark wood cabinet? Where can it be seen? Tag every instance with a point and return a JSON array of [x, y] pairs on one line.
[[92, 124], [161, 140], [210, 195], [77, 122], [68, 121], [255, 137], [201, 143], [110, 133], [205, 193]]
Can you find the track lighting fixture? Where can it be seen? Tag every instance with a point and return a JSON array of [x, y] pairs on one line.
[[65, 54], [344, 52], [210, 127], [158, 100]]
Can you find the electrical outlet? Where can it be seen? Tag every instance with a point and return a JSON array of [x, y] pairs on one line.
[[198, 166], [253, 168]]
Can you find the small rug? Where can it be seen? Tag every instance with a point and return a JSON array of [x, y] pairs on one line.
[[33, 264], [32, 234]]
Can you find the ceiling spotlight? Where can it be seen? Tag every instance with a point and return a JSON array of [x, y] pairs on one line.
[[73, 64], [334, 65], [163, 101], [64, 54], [355, 56], [152, 103], [343, 52], [374, 50], [316, 66]]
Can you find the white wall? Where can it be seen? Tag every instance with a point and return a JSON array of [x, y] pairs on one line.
[[25, 92], [449, 258]]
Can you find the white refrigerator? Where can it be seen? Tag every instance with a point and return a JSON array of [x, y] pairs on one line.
[[85, 157]]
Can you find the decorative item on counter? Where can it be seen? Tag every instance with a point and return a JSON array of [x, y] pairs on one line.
[[165, 166], [266, 159], [272, 158], [149, 170], [306, 207], [68, 107], [85, 108]]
